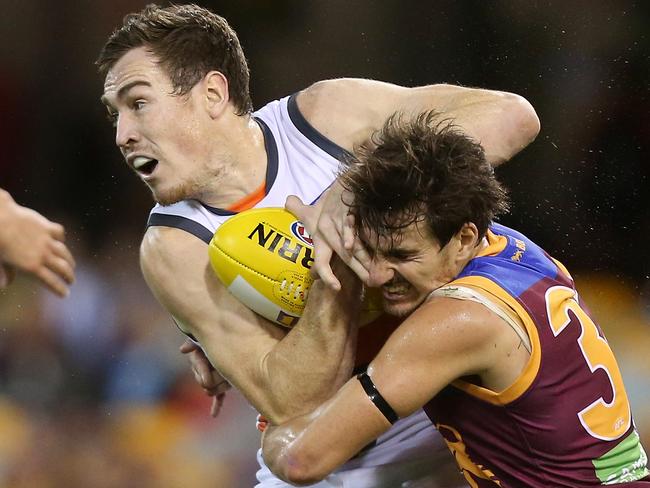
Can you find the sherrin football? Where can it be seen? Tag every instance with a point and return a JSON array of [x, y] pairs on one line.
[[263, 257]]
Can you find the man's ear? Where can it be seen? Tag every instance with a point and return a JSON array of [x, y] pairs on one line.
[[216, 93], [468, 238]]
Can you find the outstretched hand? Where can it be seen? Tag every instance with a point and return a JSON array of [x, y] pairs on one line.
[[31, 243], [211, 381], [331, 228]]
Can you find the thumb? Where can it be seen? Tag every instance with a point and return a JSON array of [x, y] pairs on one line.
[[295, 205], [307, 214]]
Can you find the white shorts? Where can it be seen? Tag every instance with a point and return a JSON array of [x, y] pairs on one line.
[[409, 455]]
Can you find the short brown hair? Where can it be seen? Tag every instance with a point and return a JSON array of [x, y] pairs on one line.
[[189, 41], [422, 169]]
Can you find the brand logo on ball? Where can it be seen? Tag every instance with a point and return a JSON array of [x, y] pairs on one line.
[[298, 230]]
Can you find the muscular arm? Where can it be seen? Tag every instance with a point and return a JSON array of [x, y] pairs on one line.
[[445, 339], [348, 110], [281, 374]]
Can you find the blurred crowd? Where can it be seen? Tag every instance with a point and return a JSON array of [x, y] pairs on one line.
[[93, 390]]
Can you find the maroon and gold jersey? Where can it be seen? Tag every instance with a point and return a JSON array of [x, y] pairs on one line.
[[566, 420]]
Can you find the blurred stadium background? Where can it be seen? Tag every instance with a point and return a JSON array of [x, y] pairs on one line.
[[93, 390]]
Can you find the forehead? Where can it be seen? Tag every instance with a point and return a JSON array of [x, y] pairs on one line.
[[413, 237], [137, 65]]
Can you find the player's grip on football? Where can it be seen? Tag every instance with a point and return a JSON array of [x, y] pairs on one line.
[[331, 228]]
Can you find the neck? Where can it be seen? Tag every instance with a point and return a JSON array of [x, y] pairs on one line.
[[242, 158]]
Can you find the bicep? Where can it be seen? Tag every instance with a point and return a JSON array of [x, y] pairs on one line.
[[177, 269], [348, 111], [430, 349], [439, 343], [502, 122]]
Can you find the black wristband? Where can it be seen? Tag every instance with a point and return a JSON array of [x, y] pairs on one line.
[[376, 398]]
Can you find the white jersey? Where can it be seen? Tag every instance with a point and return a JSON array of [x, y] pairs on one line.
[[302, 162]]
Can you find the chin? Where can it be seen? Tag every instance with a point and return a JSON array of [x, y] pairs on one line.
[[171, 196], [401, 308]]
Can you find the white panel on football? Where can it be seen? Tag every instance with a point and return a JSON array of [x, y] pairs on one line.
[[254, 300]]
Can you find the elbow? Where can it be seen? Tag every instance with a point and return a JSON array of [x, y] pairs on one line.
[[526, 119], [301, 474], [296, 466], [297, 469], [520, 126]]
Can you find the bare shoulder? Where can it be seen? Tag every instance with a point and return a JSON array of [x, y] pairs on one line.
[[461, 334], [165, 252], [348, 110], [464, 324], [177, 268], [443, 340]]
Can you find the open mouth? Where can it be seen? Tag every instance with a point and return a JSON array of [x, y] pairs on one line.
[[394, 293], [145, 166]]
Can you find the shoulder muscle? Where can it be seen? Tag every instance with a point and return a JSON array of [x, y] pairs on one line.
[[348, 110], [176, 267]]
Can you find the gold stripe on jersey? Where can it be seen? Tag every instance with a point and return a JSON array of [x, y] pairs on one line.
[[496, 244], [528, 374]]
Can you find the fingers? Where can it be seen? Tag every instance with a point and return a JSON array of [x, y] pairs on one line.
[[56, 230], [321, 267], [62, 251], [56, 270], [61, 264], [52, 281], [304, 212], [217, 403], [348, 233], [203, 371], [211, 381], [188, 346]]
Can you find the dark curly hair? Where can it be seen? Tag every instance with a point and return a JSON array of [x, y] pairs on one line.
[[422, 169], [189, 41]]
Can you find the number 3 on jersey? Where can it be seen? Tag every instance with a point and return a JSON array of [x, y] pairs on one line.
[[602, 420]]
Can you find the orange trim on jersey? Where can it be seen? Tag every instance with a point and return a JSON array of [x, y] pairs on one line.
[[496, 244], [249, 200], [562, 268], [529, 373]]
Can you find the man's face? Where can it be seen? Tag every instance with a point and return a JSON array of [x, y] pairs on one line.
[[162, 136], [408, 267]]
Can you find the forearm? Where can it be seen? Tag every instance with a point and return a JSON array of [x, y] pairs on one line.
[[281, 374], [504, 123], [317, 356], [307, 448]]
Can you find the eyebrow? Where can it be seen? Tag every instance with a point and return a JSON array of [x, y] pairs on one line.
[[400, 253], [124, 89]]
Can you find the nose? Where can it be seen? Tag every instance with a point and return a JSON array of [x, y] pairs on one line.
[[125, 131], [379, 272]]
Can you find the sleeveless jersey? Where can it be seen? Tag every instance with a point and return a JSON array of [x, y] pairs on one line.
[[566, 420], [302, 162]]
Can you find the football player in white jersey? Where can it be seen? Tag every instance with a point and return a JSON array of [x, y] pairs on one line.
[[176, 88]]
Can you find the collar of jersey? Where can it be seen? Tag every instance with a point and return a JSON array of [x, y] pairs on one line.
[[271, 169]]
